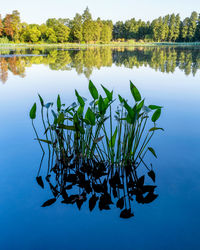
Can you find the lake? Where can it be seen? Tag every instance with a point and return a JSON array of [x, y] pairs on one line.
[[166, 76]]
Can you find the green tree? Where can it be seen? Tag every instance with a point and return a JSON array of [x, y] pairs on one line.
[[177, 27], [86, 15], [184, 29], [192, 25], [77, 28], [172, 23], [106, 33], [197, 33]]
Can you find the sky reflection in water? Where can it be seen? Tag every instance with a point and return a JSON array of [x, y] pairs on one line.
[[171, 221]]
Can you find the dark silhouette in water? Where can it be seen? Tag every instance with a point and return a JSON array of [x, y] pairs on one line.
[[76, 182]]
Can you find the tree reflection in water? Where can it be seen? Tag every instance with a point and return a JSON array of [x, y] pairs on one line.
[[164, 59]]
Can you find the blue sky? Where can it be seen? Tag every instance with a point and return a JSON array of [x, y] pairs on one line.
[[38, 11]]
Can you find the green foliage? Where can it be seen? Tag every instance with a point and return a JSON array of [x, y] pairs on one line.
[[90, 134], [83, 29]]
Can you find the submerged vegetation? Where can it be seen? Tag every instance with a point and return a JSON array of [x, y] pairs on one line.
[[98, 149], [85, 61], [83, 29]]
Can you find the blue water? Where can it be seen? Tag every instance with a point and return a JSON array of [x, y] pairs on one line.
[[170, 222]]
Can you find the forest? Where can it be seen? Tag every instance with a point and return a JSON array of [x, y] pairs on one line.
[[83, 29]]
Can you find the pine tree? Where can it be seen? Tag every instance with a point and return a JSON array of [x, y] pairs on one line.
[[77, 28], [184, 29], [177, 27], [172, 23], [192, 25]]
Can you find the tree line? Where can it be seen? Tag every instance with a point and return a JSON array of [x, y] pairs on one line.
[[83, 29]]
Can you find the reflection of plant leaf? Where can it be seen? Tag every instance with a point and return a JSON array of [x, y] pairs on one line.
[[49, 202], [120, 203], [126, 213], [92, 202], [152, 175], [40, 181]]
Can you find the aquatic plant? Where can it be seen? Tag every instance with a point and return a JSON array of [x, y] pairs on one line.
[[92, 141]]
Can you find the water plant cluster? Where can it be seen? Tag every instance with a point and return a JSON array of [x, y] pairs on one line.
[[94, 152]]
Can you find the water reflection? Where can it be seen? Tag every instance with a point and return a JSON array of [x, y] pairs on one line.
[[84, 61], [98, 184]]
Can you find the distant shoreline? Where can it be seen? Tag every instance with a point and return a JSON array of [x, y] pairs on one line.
[[114, 44]]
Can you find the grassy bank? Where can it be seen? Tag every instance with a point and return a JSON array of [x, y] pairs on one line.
[[112, 44]]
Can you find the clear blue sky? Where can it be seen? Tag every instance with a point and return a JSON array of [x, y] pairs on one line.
[[38, 11]]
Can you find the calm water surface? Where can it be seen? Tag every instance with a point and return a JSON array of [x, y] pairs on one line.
[[169, 77]]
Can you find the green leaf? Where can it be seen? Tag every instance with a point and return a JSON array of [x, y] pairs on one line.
[[156, 115], [135, 92], [80, 99], [152, 107], [101, 106], [152, 151], [46, 141], [154, 128], [81, 129], [32, 113], [90, 117], [120, 98], [41, 100], [93, 90], [58, 103], [54, 114], [113, 139], [62, 126], [108, 93], [61, 118], [140, 106], [80, 110]]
